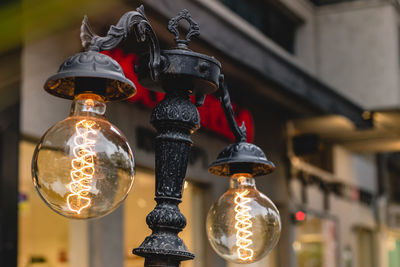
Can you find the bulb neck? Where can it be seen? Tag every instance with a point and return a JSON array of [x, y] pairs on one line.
[[242, 180], [89, 105]]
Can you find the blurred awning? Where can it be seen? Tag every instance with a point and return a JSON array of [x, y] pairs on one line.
[[262, 67], [383, 136]]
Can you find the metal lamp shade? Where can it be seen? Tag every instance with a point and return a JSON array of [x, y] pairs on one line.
[[94, 68], [241, 157]]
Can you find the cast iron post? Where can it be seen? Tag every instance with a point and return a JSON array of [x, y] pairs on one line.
[[175, 118]]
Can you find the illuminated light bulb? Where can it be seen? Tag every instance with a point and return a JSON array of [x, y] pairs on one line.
[[83, 166], [243, 226]]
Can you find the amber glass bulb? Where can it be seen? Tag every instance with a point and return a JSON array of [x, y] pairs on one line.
[[83, 166], [243, 226]]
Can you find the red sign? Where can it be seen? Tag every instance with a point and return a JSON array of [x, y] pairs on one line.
[[212, 116], [300, 216]]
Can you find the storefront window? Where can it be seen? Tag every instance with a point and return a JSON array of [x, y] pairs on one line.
[[271, 19], [315, 243], [43, 235], [394, 251], [365, 248]]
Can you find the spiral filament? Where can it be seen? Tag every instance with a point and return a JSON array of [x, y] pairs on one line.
[[243, 226], [82, 166]]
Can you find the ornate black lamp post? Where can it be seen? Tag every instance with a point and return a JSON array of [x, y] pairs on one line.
[[179, 72]]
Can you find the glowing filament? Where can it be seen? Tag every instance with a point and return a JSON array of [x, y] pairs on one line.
[[243, 226], [82, 166]]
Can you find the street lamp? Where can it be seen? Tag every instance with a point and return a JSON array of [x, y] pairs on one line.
[[243, 225], [77, 172]]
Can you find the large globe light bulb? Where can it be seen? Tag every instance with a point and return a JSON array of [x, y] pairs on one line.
[[243, 226], [83, 166]]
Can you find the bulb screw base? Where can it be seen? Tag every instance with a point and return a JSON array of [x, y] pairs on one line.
[[161, 263]]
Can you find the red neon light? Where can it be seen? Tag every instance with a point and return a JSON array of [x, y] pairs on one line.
[[300, 216], [211, 113]]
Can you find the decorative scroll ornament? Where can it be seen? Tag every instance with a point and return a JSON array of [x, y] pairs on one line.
[[135, 21], [194, 29]]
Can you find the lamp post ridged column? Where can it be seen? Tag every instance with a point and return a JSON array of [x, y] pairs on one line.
[[175, 119]]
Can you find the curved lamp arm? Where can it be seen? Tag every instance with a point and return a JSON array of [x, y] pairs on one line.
[[223, 94], [135, 21]]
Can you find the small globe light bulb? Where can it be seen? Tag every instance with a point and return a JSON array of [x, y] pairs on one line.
[[243, 226], [83, 166]]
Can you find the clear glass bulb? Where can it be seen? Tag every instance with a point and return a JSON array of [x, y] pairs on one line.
[[243, 226], [83, 166]]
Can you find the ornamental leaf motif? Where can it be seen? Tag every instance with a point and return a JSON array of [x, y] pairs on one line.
[[133, 21], [194, 29]]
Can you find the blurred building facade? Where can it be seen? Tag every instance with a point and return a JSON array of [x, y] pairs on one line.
[[317, 83]]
